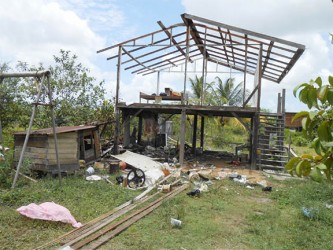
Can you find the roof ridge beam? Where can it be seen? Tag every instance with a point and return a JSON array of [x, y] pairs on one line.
[[197, 39]]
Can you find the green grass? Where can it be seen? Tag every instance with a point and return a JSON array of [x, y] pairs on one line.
[[229, 216], [84, 200], [232, 217]]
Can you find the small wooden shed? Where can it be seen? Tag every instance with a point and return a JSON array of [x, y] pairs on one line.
[[74, 143]]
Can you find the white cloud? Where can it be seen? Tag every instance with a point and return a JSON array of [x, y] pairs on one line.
[[33, 31], [305, 22]]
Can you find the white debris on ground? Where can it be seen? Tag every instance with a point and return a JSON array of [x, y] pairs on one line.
[[152, 169]]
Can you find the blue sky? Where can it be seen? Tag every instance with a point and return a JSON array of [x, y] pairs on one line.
[[33, 31]]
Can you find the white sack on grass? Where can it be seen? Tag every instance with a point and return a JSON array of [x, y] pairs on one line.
[[48, 211]]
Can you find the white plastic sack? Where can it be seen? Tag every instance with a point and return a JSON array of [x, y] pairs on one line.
[[48, 211]]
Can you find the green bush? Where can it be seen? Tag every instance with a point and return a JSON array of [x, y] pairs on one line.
[[5, 171], [297, 138], [300, 141]]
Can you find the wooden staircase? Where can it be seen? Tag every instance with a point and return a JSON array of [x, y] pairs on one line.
[[271, 153]]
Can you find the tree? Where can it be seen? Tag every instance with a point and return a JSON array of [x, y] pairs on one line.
[[196, 85], [317, 126], [76, 94], [228, 93], [12, 100]]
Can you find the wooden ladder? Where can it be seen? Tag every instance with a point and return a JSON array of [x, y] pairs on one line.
[[271, 153]]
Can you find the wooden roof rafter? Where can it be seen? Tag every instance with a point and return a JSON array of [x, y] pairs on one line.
[[217, 42], [232, 48], [267, 56], [224, 45], [139, 63], [152, 52], [196, 37], [172, 39], [159, 64]]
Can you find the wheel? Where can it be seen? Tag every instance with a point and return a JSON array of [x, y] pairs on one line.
[[136, 178]]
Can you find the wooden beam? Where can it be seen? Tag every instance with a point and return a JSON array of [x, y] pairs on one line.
[[232, 47], [260, 73], [161, 64], [224, 45], [137, 61], [291, 64], [172, 39], [156, 43], [269, 50], [151, 59], [250, 96], [202, 132], [194, 136], [139, 37], [196, 37], [182, 137], [244, 31], [117, 113], [140, 129]]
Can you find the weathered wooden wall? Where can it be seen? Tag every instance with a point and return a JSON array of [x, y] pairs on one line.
[[68, 149], [40, 152], [288, 118]]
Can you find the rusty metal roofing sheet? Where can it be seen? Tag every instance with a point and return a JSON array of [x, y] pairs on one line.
[[59, 130]]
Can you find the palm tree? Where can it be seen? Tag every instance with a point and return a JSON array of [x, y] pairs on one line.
[[196, 85], [228, 93]]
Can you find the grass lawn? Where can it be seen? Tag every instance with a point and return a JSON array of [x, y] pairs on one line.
[[229, 216]]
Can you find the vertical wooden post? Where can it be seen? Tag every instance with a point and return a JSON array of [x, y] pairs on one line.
[[28, 133], [245, 70], [183, 112], [182, 137], [186, 62], [117, 111], [202, 132], [252, 144], [255, 141], [158, 83], [54, 128], [256, 118], [127, 128], [156, 128], [283, 102], [279, 104], [194, 136], [140, 129], [203, 83], [259, 77]]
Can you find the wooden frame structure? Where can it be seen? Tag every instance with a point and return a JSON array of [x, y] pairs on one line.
[[43, 79], [200, 39], [75, 143]]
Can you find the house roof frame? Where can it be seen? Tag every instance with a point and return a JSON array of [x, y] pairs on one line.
[[217, 42]]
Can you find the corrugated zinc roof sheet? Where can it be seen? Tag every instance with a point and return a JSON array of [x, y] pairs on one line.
[[59, 130]]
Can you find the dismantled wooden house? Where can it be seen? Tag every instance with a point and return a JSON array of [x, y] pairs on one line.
[[74, 143], [214, 46]]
